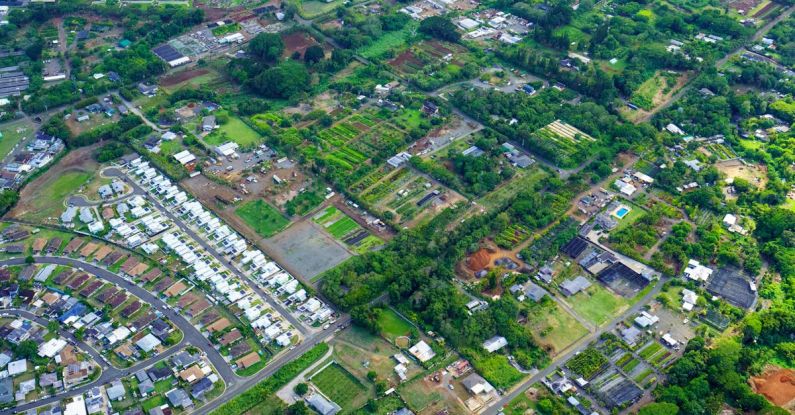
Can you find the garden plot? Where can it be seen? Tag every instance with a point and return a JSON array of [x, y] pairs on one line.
[[343, 228], [656, 354], [615, 389], [635, 368], [410, 197], [566, 145], [720, 151], [340, 386]]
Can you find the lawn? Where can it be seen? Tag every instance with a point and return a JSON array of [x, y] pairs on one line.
[[313, 9], [751, 144], [262, 217], [597, 305], [12, 133], [554, 327], [392, 325], [635, 213], [234, 130], [341, 386], [417, 395]]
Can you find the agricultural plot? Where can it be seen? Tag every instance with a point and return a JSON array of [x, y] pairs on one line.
[[410, 197], [340, 386], [656, 354], [234, 130], [597, 304], [636, 369], [588, 363], [615, 389], [433, 63], [563, 144], [720, 151], [343, 228], [512, 236]]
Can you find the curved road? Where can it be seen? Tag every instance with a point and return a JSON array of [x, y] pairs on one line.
[[191, 336]]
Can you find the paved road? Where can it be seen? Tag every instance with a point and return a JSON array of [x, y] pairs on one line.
[[496, 407], [113, 172], [109, 373]]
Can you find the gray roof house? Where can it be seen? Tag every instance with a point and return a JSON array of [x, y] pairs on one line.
[[6, 390], [179, 398], [115, 391], [534, 292], [573, 286], [322, 405]]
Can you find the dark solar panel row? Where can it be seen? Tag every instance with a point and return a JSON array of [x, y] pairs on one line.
[[732, 288], [167, 53]]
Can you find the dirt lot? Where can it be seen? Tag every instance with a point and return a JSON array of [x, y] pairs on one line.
[[777, 385], [756, 175], [297, 42], [744, 5], [183, 76], [306, 250]]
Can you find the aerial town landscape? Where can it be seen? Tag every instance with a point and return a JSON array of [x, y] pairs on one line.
[[394, 207]]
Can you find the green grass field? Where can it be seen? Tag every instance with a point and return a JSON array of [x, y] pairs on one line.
[[262, 217], [342, 227], [523, 179], [635, 213], [234, 130], [553, 326], [340, 386], [597, 305], [50, 199], [644, 95], [12, 133], [392, 325], [389, 40]]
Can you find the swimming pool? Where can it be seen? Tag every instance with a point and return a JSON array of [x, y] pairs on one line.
[[621, 212]]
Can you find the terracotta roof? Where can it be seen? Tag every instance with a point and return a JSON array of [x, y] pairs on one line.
[[247, 360]]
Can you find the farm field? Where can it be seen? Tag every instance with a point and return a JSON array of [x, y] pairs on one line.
[[234, 130], [523, 179], [564, 144], [340, 386], [262, 217], [597, 304], [553, 327], [388, 41], [343, 228], [402, 192]]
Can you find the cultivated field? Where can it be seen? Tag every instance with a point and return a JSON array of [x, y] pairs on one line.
[[306, 250], [262, 217]]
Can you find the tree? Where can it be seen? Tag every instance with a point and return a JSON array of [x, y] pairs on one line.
[[298, 408], [440, 28], [314, 54], [29, 259], [372, 375], [27, 349], [301, 389], [282, 81], [266, 46]]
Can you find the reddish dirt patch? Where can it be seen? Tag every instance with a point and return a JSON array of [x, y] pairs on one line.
[[778, 386], [744, 5], [406, 62], [479, 260], [297, 42], [183, 76]]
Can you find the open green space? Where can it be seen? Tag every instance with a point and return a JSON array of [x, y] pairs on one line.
[[389, 41], [234, 130], [12, 133], [340, 386], [392, 325], [265, 219], [554, 327], [597, 304], [49, 200]]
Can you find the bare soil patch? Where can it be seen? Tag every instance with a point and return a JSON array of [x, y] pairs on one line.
[[183, 76], [777, 385], [297, 42], [754, 174]]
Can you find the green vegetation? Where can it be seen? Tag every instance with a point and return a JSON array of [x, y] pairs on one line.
[[597, 304], [496, 369], [588, 363], [340, 386], [393, 325], [233, 129], [261, 393], [262, 217]]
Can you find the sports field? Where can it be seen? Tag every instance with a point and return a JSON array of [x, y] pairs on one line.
[[262, 217], [341, 386]]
